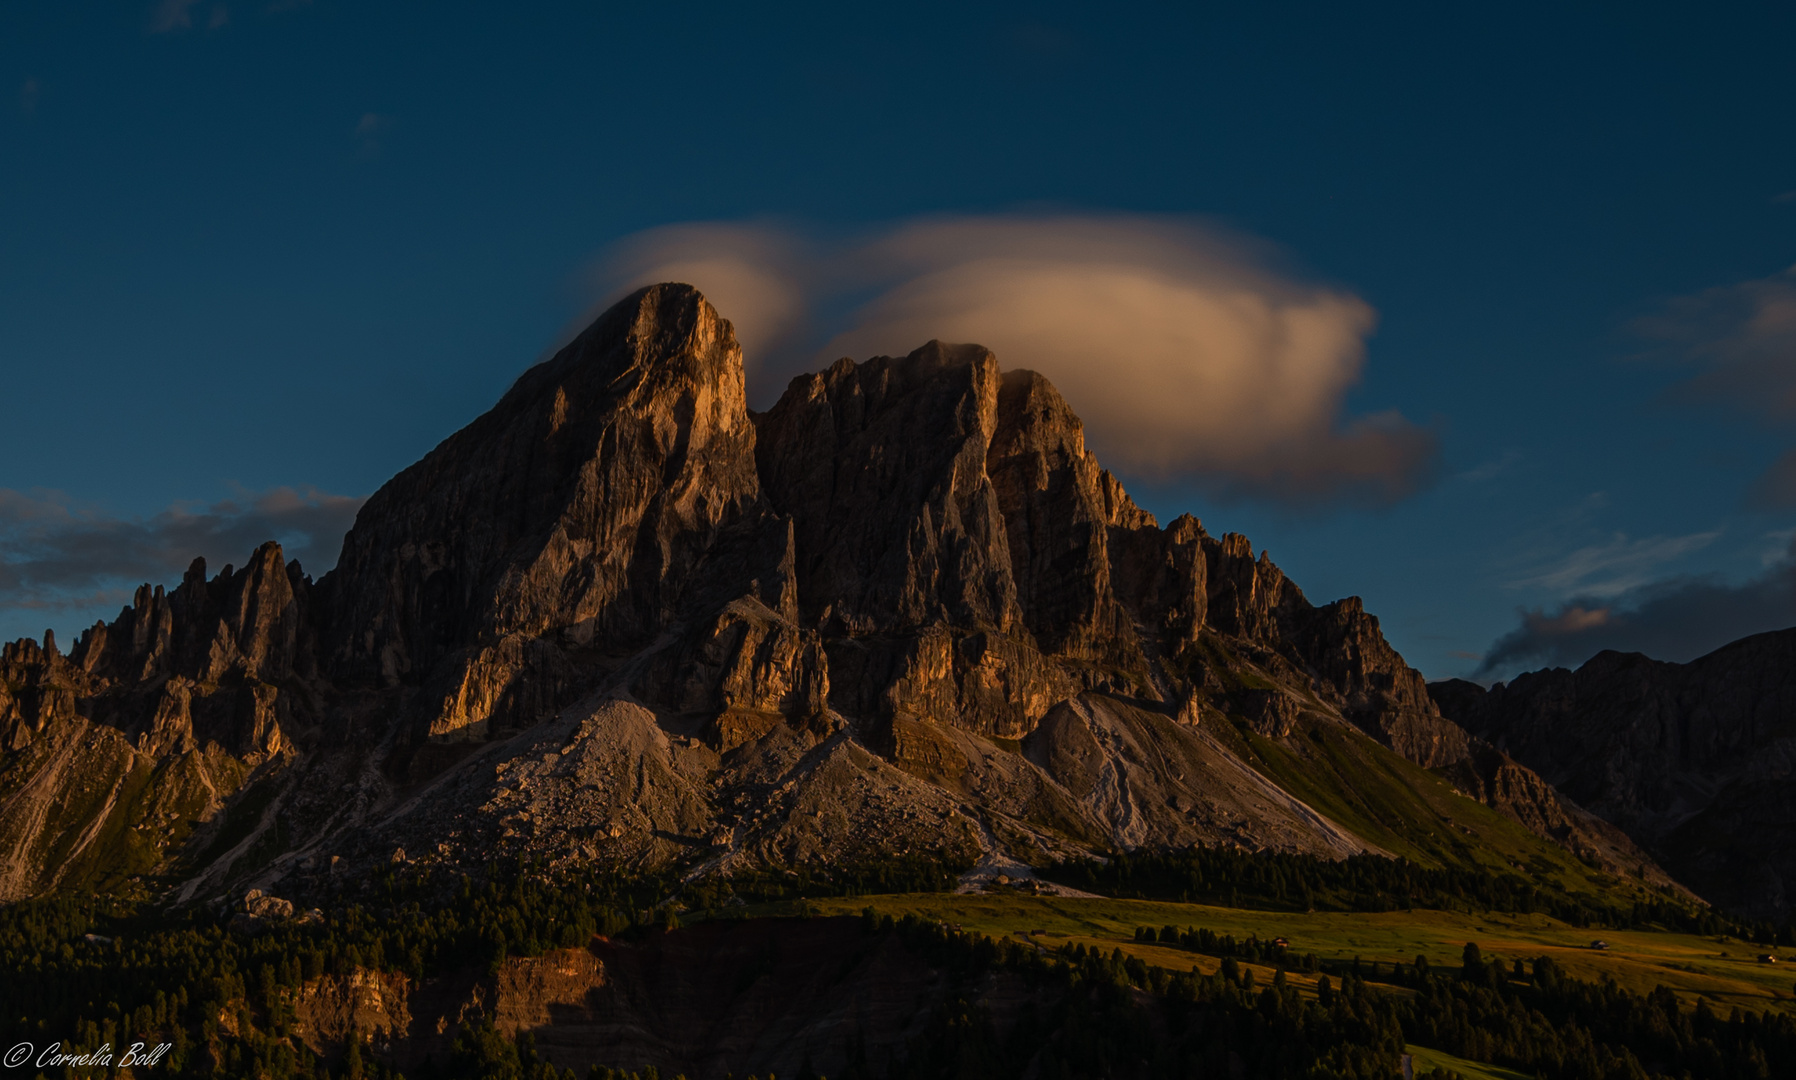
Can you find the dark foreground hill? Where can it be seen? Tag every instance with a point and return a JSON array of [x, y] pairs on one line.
[[622, 619], [511, 983], [1695, 761]]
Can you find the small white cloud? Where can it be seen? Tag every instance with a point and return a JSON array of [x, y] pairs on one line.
[[1574, 619]]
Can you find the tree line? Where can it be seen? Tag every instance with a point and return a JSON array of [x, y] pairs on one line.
[[91, 971], [1280, 881]]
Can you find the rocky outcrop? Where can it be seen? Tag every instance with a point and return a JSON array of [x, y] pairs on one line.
[[331, 1010], [1495, 779], [132, 744], [1375, 688], [622, 618], [951, 512], [1693, 760], [413, 1021], [725, 998]]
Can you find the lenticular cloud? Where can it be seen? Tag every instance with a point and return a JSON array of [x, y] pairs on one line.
[[1189, 358]]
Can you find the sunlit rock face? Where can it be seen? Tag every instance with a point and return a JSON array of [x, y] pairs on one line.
[[575, 515], [621, 617]]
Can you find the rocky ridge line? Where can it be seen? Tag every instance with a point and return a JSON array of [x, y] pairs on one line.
[[621, 617], [1693, 761]]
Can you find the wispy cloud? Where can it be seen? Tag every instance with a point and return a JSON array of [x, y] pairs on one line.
[[1777, 546], [1741, 339], [172, 15], [1613, 567], [1677, 619], [28, 96], [1491, 469], [1187, 351], [58, 555]]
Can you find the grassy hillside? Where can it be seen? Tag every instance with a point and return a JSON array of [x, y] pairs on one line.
[[96, 815], [1411, 812]]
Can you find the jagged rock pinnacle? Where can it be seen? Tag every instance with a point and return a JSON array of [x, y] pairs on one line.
[[619, 618]]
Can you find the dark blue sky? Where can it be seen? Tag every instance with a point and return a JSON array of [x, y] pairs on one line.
[[252, 247]]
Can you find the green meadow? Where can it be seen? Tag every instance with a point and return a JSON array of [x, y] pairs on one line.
[[1725, 971]]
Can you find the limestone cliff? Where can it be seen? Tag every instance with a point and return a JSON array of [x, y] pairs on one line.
[[725, 998], [621, 617], [576, 515]]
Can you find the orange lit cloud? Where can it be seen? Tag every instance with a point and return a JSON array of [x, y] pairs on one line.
[[1676, 619], [751, 274], [1188, 356]]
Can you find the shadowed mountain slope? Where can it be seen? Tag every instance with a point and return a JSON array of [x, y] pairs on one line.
[[1693, 760]]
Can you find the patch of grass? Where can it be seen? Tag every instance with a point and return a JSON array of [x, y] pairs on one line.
[[1639, 960], [1368, 792], [1426, 1060], [117, 850], [1253, 680], [114, 817], [240, 820], [1412, 813], [1388, 800]]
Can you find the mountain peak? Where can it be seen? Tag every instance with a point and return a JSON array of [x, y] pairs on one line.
[[661, 331], [572, 507], [620, 618]]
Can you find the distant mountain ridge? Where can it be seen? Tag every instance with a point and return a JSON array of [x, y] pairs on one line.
[[622, 618], [1694, 761]]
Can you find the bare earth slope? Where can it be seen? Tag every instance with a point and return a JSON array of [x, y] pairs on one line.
[[621, 618]]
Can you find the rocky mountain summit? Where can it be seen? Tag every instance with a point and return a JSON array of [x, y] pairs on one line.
[[1694, 761], [623, 618]]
